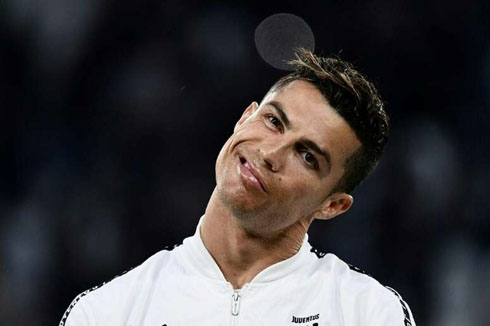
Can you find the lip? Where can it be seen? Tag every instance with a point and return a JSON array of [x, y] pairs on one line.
[[251, 174]]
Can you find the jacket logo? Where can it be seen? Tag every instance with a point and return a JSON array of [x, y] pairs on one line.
[[299, 320]]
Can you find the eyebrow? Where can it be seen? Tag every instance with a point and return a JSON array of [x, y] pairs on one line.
[[307, 142], [278, 107]]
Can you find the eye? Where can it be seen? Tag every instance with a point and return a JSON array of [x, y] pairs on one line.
[[309, 158], [275, 121]]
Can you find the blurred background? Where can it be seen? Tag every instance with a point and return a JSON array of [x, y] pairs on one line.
[[113, 114]]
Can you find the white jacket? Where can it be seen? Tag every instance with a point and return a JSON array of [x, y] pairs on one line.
[[185, 287]]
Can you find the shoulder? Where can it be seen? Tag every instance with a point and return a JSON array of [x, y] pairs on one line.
[[362, 299], [103, 300]]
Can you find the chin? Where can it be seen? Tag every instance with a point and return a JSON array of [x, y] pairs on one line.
[[241, 204]]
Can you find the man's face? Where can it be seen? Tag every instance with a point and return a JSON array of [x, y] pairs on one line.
[[296, 177]]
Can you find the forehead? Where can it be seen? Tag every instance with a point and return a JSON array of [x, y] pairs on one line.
[[312, 116]]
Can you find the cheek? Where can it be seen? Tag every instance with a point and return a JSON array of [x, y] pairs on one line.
[[295, 190], [222, 157], [306, 199], [251, 128], [294, 200]]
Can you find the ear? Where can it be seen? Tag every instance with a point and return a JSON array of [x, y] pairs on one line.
[[335, 204], [246, 114]]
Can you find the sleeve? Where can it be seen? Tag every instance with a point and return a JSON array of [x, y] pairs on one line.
[[389, 309], [76, 314]]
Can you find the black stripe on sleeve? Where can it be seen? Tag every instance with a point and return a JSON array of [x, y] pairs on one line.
[[84, 293], [408, 319]]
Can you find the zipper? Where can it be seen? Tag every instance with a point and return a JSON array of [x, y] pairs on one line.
[[235, 303], [236, 299]]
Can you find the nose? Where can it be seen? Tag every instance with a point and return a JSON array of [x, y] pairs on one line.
[[272, 156]]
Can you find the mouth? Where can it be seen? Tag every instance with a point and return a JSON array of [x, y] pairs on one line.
[[251, 173]]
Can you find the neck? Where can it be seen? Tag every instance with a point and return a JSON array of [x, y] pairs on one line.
[[239, 254]]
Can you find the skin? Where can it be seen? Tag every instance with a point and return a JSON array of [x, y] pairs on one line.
[[246, 229]]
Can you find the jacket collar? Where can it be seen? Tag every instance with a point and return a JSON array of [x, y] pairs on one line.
[[199, 260]]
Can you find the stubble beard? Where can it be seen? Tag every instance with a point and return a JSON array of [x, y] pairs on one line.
[[258, 220], [250, 214], [238, 205]]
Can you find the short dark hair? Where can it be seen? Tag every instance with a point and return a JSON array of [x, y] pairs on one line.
[[356, 100]]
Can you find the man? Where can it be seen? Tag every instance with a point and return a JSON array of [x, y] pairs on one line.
[[294, 158]]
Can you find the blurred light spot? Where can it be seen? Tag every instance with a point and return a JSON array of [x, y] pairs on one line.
[[433, 165], [278, 35], [459, 280], [28, 254], [60, 27]]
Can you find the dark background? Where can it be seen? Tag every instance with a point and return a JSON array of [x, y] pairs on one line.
[[113, 113]]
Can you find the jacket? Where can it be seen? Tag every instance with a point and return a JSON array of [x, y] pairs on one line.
[[184, 286]]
